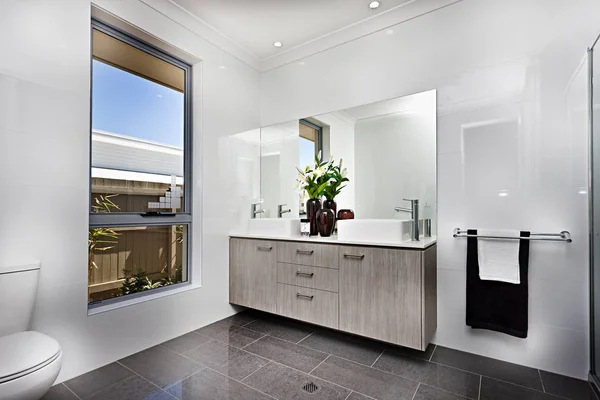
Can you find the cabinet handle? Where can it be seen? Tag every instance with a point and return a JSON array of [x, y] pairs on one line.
[[309, 274], [264, 248], [304, 296], [308, 252], [354, 256]]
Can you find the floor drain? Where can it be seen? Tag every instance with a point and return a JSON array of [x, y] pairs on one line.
[[310, 387]]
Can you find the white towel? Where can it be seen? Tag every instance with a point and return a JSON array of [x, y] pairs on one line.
[[498, 258]]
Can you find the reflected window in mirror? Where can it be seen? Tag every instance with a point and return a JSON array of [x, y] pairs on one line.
[[309, 145]]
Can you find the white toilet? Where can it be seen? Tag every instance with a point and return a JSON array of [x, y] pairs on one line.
[[29, 361]]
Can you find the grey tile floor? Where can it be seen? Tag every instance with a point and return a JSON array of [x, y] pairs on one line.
[[258, 356]]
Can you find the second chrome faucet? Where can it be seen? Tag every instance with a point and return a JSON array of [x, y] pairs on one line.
[[281, 210], [414, 217]]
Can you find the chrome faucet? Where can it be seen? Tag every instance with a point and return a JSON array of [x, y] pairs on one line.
[[254, 212], [414, 217], [281, 211]]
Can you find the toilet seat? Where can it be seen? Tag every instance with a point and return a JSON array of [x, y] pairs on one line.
[[24, 353]]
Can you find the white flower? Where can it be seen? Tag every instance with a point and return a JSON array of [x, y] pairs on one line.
[[344, 172]]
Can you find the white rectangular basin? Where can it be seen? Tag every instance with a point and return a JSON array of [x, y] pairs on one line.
[[274, 226], [374, 230]]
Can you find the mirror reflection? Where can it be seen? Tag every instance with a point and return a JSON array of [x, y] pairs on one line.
[[372, 162]]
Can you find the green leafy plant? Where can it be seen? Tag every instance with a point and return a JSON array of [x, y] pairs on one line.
[[337, 178], [101, 239], [139, 282], [325, 178], [313, 179]]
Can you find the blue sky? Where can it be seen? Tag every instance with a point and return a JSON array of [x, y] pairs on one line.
[[126, 104], [307, 153]]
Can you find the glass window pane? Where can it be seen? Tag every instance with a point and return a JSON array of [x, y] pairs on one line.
[[138, 114], [126, 260]]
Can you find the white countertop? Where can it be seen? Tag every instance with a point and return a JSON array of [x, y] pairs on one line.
[[422, 244]]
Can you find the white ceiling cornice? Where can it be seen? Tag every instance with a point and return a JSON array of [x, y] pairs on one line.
[[384, 20], [204, 30]]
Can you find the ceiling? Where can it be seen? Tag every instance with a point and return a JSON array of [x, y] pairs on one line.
[[255, 25]]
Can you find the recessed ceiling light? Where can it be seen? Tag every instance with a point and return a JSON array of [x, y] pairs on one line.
[[277, 44], [302, 63], [374, 4], [389, 32]]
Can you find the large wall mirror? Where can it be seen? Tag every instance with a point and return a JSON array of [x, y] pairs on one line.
[[388, 150]]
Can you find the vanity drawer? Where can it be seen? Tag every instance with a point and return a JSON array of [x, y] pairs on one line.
[[310, 305], [318, 255], [308, 277]]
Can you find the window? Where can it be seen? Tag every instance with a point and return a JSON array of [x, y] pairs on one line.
[[140, 208], [310, 143]]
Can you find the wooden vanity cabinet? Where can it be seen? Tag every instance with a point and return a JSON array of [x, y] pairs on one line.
[[253, 274], [383, 293], [388, 294]]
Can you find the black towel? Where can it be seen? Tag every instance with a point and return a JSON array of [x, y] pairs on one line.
[[493, 305]]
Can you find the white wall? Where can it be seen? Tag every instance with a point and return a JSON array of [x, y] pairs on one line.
[[340, 145], [503, 73], [396, 159], [44, 151]]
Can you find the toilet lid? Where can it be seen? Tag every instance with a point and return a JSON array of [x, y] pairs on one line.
[[25, 352]]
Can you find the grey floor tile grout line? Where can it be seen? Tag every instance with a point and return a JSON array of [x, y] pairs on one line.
[[247, 323], [319, 364], [521, 386], [469, 372], [69, 389], [252, 342], [480, 383], [183, 379], [461, 396], [141, 376], [292, 368], [593, 390], [431, 356], [541, 380], [322, 379], [252, 373], [303, 339], [228, 345], [416, 390], [378, 357], [406, 355], [349, 394], [242, 383], [104, 388]]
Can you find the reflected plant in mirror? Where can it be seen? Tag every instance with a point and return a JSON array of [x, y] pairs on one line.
[[312, 180], [337, 177], [324, 179]]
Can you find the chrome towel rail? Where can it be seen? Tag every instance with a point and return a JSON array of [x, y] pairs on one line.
[[564, 236]]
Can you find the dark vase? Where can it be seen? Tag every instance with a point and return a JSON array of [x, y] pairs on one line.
[[330, 205], [345, 214], [312, 207], [326, 221]]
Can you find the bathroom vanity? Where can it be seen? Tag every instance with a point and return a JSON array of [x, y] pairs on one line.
[[370, 279], [385, 292]]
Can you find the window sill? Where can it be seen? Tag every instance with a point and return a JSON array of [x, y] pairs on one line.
[[141, 299]]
